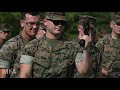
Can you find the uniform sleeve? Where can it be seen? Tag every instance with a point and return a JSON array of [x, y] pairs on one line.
[[78, 57], [28, 53], [6, 56], [25, 59], [99, 45], [4, 64], [77, 53]]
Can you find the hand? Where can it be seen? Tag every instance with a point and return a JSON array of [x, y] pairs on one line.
[[87, 39]]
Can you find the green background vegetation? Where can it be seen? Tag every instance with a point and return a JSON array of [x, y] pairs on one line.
[[103, 19]]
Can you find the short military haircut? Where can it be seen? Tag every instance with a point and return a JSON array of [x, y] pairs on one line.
[[31, 13]]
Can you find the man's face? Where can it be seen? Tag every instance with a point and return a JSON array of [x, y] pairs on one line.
[[4, 35], [81, 30], [30, 25], [115, 27], [55, 27]]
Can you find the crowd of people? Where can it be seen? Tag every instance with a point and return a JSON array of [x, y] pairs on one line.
[[41, 51]]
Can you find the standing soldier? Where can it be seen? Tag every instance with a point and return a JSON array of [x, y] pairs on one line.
[[86, 24], [53, 56], [110, 49], [4, 33], [11, 51]]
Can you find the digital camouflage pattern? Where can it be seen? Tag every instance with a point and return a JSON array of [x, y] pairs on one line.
[[95, 57], [87, 18], [115, 17], [5, 27], [110, 50], [88, 23], [11, 52], [56, 62], [56, 16]]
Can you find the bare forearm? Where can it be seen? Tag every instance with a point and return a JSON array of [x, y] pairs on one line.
[[86, 62], [22, 75], [84, 67], [25, 71]]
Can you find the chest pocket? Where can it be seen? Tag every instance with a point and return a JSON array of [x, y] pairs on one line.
[[108, 56], [110, 52], [62, 66], [40, 68], [63, 59], [41, 64], [51, 63], [111, 57]]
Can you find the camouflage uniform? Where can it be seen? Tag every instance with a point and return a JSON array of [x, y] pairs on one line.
[[94, 52], [110, 51], [51, 60], [95, 57], [10, 54]]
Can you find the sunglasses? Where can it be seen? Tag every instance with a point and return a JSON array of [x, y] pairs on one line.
[[118, 23], [58, 22]]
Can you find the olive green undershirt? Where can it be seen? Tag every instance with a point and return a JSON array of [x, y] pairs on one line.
[[52, 42]]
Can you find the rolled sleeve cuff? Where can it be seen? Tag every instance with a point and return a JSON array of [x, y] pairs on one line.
[[4, 64], [25, 59], [79, 57]]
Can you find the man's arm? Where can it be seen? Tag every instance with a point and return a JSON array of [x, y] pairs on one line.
[[26, 66], [27, 58], [83, 61], [25, 70], [4, 68], [6, 57], [84, 64]]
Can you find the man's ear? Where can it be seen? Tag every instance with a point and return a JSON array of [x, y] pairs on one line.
[[112, 24], [80, 28], [45, 22], [22, 23]]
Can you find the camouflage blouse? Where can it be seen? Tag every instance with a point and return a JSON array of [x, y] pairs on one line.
[[110, 53], [51, 62], [10, 55], [95, 57]]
